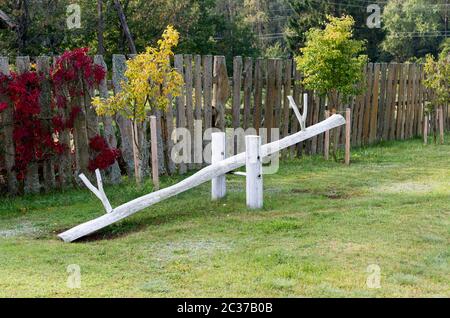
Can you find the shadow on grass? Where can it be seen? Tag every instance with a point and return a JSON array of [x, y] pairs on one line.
[[136, 225]]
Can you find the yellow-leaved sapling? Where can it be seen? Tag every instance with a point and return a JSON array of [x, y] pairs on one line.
[[150, 83]]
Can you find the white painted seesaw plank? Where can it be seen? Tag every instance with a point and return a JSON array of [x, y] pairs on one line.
[[204, 175]]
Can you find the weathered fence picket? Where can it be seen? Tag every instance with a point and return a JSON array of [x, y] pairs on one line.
[[248, 87]]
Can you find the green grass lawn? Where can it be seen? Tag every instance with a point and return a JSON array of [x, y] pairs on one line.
[[323, 224]]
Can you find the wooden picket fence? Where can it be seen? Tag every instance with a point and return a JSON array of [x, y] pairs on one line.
[[255, 96]]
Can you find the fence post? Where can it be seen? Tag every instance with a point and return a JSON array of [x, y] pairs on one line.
[[221, 90], [9, 149], [180, 105], [154, 149], [218, 149], [425, 130], [189, 90], [32, 184], [124, 124], [348, 125], [441, 124], [48, 166], [254, 181], [326, 150]]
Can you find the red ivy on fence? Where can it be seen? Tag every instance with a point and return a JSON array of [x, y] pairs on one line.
[[3, 106], [105, 156], [71, 72], [33, 142]]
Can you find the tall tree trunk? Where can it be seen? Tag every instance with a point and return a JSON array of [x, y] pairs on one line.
[[125, 28], [22, 28], [100, 28]]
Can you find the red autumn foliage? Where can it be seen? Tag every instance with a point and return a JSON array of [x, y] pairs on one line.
[[33, 142], [3, 106], [59, 124], [98, 143], [105, 156], [75, 73], [72, 76], [71, 72]]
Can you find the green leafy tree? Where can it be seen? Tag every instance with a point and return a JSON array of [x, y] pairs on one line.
[[206, 26], [308, 14], [276, 51], [150, 80], [437, 78], [331, 61], [413, 28], [438, 81], [235, 34], [312, 14]]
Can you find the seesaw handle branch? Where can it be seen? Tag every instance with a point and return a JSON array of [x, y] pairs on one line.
[[301, 117], [100, 192]]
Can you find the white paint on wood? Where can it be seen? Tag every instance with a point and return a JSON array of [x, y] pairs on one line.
[[326, 150], [202, 176], [301, 117], [254, 180], [218, 149], [99, 192], [348, 126]]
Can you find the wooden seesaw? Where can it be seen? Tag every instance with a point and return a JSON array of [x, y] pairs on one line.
[[252, 158]]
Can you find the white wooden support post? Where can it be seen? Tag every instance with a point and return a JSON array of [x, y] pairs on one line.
[[218, 148], [326, 150], [253, 162], [348, 125]]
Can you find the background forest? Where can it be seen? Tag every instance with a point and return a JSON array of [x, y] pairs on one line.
[[273, 28]]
